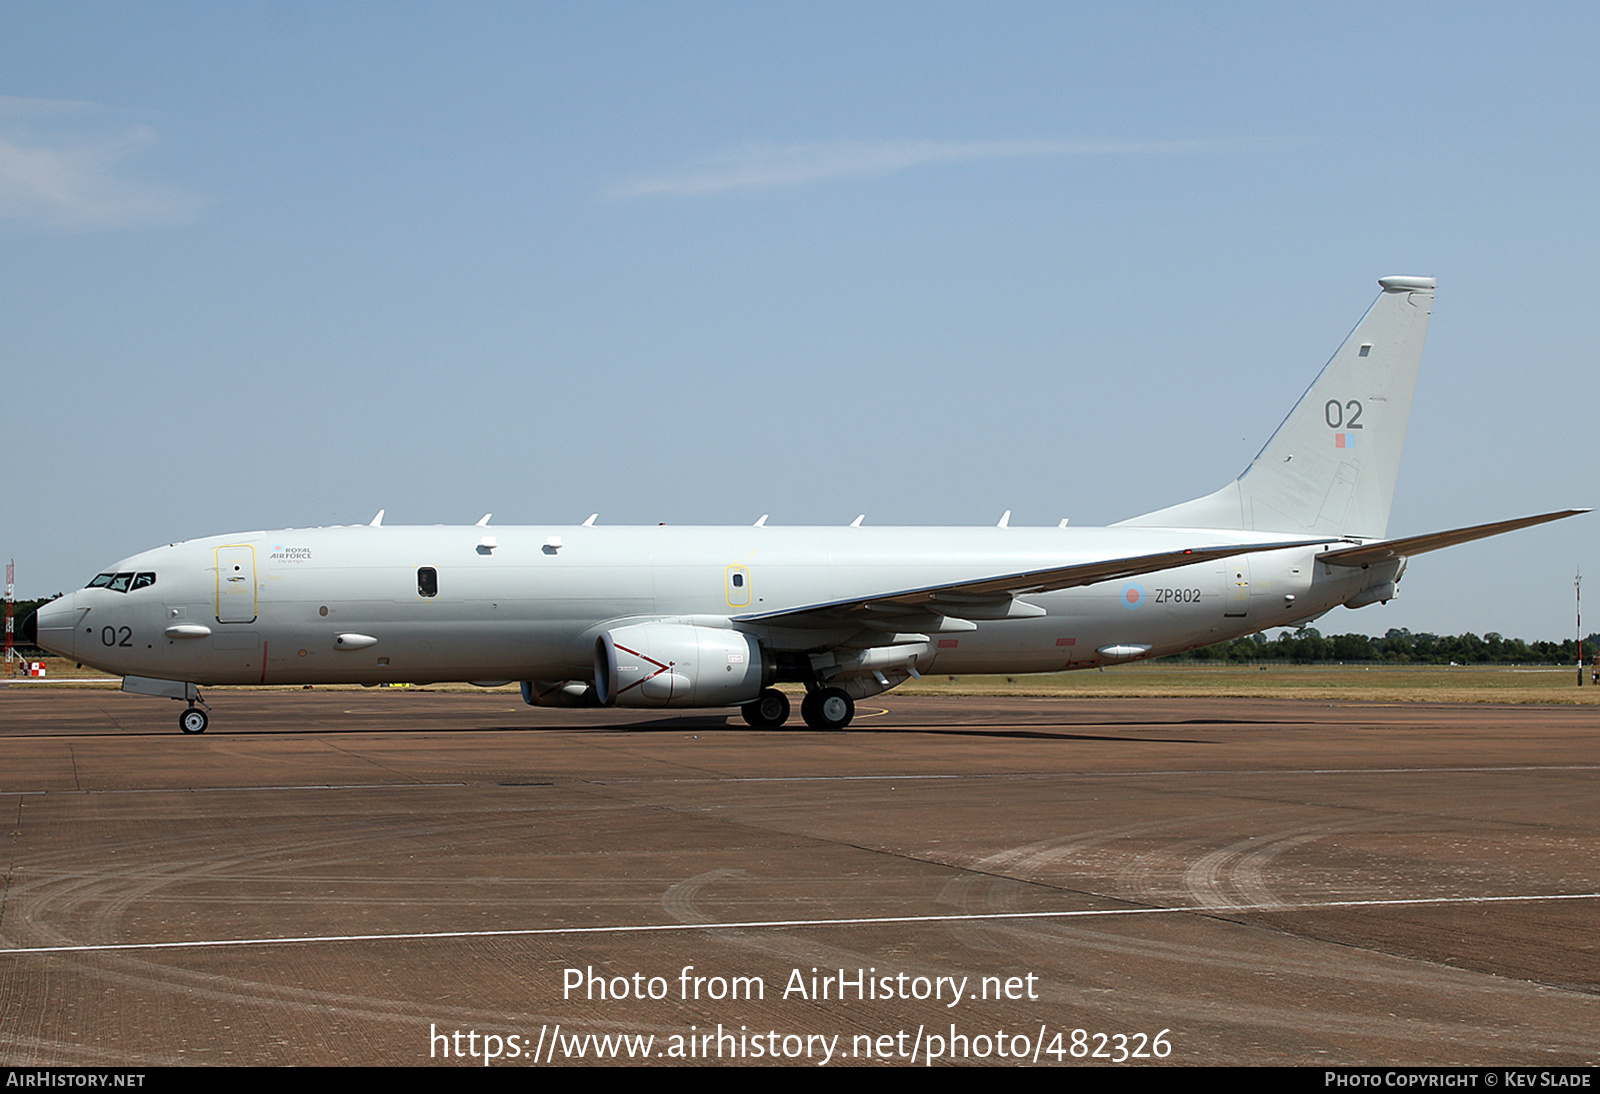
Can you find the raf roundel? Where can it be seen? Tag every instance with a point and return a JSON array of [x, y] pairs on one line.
[[1133, 596]]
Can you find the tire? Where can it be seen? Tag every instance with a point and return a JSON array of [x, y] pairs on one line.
[[193, 720], [830, 708], [769, 710]]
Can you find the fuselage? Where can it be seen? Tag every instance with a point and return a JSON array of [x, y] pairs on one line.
[[374, 605]]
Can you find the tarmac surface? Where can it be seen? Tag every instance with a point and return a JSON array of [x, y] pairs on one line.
[[410, 876]]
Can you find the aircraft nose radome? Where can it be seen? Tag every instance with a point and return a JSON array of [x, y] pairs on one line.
[[52, 627]]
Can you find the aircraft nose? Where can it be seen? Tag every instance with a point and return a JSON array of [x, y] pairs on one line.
[[53, 626]]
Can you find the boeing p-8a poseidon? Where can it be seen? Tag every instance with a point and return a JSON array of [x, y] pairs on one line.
[[713, 617]]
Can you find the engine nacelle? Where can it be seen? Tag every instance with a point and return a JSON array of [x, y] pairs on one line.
[[678, 665]]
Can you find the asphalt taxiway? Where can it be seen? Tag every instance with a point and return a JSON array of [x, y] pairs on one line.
[[412, 876]]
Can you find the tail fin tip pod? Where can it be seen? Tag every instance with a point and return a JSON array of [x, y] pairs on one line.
[[1330, 468]]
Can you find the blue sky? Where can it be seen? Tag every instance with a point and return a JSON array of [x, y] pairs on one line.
[[281, 264]]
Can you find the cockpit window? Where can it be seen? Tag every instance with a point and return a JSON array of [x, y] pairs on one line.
[[121, 583]]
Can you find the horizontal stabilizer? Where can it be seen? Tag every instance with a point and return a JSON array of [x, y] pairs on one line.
[[1390, 549], [1019, 584]]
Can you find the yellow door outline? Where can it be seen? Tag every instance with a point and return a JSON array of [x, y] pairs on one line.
[[738, 591], [236, 583]]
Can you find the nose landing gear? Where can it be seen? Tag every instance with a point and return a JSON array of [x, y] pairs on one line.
[[193, 720], [196, 718]]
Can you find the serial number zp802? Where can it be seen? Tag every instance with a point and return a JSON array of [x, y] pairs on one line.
[[1177, 596]]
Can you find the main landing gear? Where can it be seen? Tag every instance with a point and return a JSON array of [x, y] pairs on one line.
[[825, 708], [769, 710]]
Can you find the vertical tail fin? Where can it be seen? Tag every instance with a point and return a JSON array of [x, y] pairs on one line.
[[1330, 468]]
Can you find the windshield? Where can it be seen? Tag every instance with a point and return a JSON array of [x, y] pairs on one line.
[[122, 583]]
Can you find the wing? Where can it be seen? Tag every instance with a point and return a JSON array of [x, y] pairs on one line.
[[1390, 549], [995, 597]]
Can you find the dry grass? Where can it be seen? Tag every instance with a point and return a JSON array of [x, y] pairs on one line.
[[1356, 683]]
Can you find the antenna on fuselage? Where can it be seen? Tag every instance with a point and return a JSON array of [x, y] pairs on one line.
[[377, 521], [762, 523], [590, 522], [1005, 520], [484, 523], [857, 522]]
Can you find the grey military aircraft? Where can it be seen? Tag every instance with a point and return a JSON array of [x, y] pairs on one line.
[[714, 617]]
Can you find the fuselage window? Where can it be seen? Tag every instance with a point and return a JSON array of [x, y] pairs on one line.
[[142, 581], [738, 581], [427, 581]]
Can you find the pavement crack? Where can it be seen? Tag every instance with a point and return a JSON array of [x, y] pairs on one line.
[[370, 762]]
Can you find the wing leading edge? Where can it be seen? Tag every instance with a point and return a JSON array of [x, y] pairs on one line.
[[994, 597]]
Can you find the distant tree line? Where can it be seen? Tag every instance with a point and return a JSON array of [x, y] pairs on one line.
[[1399, 646], [26, 607]]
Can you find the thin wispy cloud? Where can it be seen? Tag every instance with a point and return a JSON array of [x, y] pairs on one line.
[[70, 166], [772, 166]]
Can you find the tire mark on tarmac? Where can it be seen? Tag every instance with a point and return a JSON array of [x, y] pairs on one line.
[[99, 897], [1277, 957]]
